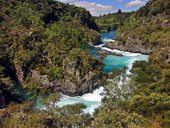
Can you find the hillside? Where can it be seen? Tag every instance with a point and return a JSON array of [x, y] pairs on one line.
[[148, 28], [40, 48], [145, 31], [112, 21], [41, 55]]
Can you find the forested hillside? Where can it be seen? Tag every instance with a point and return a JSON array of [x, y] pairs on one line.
[[41, 53], [148, 28], [40, 50], [146, 31], [112, 21]]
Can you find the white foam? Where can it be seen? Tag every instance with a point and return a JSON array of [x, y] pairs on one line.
[[91, 100], [105, 40], [97, 95], [124, 53], [135, 56], [98, 46]]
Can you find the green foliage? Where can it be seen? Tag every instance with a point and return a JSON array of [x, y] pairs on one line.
[[26, 16], [45, 37], [53, 73], [156, 103], [111, 21], [21, 117], [37, 37], [149, 24], [110, 118], [152, 91], [73, 109]]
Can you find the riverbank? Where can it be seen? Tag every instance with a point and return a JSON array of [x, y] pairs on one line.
[[110, 61], [129, 48]]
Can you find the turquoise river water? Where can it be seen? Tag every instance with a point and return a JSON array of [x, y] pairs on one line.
[[94, 100]]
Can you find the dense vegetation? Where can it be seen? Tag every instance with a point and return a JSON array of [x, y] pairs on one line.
[[111, 21], [146, 95], [43, 38], [40, 44], [149, 25], [150, 82]]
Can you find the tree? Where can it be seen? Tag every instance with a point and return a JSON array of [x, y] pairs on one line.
[[119, 11]]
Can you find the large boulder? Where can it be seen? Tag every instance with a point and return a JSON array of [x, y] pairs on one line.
[[88, 84]]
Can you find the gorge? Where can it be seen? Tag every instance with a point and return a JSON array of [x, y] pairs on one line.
[[94, 100], [61, 67]]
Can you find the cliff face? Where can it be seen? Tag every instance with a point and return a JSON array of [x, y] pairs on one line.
[[147, 29], [72, 84]]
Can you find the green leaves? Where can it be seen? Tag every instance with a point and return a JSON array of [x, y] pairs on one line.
[[111, 21], [26, 15]]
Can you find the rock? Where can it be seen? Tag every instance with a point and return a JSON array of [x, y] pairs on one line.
[[87, 84], [68, 86], [43, 79], [131, 45], [76, 81], [136, 46], [19, 73], [165, 22], [168, 60], [105, 52]]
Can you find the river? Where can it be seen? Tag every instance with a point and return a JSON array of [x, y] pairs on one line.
[[94, 100]]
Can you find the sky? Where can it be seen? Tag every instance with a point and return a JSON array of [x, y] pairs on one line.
[[100, 7]]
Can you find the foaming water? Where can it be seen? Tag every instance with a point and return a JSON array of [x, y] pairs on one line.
[[119, 62], [91, 100], [124, 53], [94, 100], [108, 40], [108, 36]]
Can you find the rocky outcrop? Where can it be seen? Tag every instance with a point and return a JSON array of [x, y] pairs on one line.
[[67, 86], [131, 45], [105, 52], [19, 73], [88, 84], [78, 79]]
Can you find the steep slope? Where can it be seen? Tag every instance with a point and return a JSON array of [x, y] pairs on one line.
[[40, 47], [147, 29]]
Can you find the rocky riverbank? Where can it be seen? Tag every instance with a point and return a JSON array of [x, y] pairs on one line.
[[104, 52], [73, 84], [138, 48]]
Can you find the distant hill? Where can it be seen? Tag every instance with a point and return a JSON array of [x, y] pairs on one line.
[[112, 21]]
